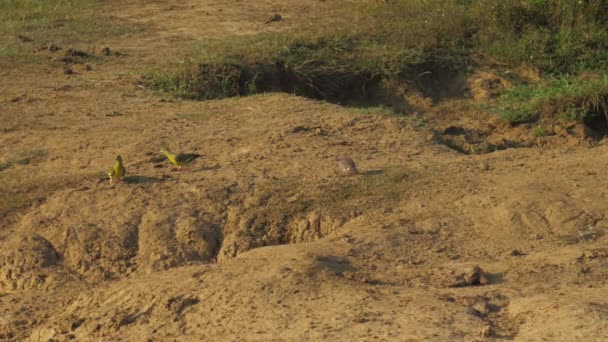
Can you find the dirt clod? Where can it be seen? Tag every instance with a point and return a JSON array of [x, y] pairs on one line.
[[24, 39], [463, 276], [273, 18], [76, 53]]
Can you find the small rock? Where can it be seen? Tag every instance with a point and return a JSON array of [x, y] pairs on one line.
[[114, 113], [76, 53], [24, 39], [273, 18], [536, 236], [482, 308], [584, 269]]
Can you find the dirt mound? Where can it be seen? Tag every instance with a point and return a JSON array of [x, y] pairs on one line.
[[483, 85], [266, 286], [25, 264], [107, 232], [567, 316]]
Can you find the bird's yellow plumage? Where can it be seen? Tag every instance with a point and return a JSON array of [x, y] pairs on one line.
[[118, 171], [180, 159]]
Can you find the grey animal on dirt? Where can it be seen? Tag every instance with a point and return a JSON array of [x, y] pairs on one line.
[[347, 166]]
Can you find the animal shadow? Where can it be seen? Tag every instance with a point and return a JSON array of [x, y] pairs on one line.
[[373, 173], [141, 179]]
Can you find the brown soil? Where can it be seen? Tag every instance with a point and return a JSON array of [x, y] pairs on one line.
[[261, 238]]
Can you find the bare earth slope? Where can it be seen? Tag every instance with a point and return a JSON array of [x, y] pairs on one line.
[[260, 239]]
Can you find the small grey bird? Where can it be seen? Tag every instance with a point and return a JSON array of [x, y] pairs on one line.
[[347, 166]]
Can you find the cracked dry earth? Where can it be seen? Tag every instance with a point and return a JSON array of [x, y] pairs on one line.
[[261, 239]]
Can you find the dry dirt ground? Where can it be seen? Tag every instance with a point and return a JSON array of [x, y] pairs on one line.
[[261, 239]]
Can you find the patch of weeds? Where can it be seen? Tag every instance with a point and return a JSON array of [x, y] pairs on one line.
[[341, 50], [23, 157], [5, 165], [558, 36], [416, 120], [539, 131], [205, 82], [582, 99], [375, 110], [63, 22], [327, 60]]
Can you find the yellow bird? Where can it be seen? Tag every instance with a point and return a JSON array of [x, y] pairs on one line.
[[117, 171], [179, 159]]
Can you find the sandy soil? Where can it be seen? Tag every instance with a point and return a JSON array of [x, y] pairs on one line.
[[261, 239]]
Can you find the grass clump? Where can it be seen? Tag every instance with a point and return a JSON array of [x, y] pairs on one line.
[[70, 22], [556, 36], [583, 99], [325, 57], [23, 157], [329, 57]]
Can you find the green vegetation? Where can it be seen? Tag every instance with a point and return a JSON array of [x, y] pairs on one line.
[[343, 50], [60, 22], [339, 52], [539, 131], [377, 110], [23, 157], [582, 98]]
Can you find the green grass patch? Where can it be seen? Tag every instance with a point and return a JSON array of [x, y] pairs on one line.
[[25, 24], [375, 110], [23, 157], [582, 98], [344, 49], [539, 131], [325, 57], [557, 36]]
